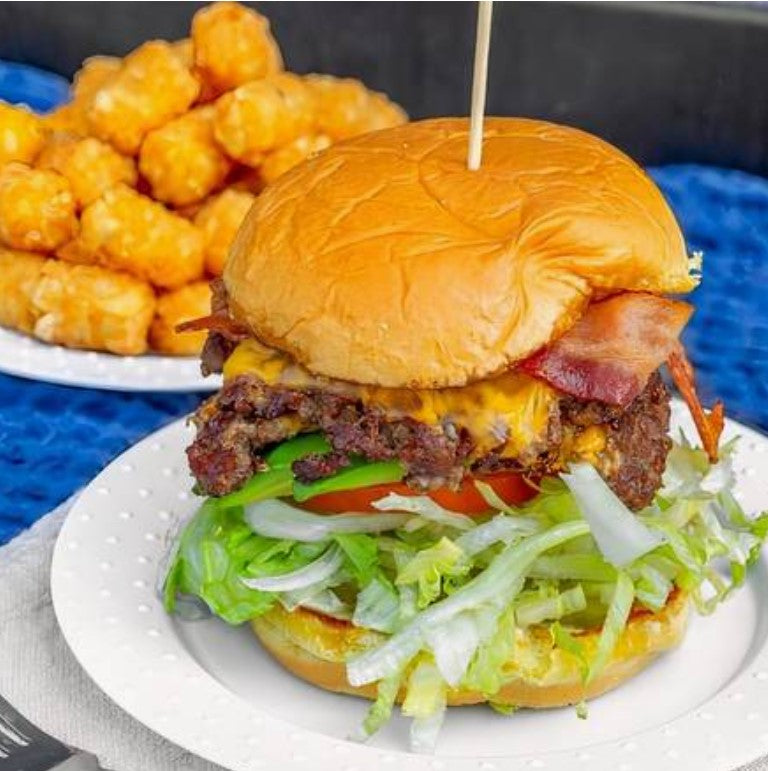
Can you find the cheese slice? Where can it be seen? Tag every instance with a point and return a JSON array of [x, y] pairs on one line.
[[510, 411]]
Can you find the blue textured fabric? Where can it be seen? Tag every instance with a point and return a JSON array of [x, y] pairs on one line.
[[53, 439], [724, 214], [38, 89]]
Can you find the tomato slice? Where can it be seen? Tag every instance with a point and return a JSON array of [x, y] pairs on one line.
[[511, 488]]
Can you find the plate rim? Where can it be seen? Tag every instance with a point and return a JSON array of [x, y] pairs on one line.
[[163, 365], [190, 736]]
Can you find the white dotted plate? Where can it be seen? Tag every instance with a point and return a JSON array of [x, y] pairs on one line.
[[26, 357], [211, 689]]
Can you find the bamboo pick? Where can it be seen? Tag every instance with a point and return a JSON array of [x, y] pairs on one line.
[[479, 84]]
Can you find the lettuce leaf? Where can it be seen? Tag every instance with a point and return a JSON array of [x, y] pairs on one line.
[[361, 554], [378, 606], [213, 554], [428, 567]]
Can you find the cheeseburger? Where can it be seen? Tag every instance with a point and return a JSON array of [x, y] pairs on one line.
[[439, 470]]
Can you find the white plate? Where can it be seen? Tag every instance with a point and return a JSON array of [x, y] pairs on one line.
[[211, 689], [26, 357]]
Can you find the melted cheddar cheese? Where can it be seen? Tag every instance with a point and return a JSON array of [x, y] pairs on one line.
[[511, 410]]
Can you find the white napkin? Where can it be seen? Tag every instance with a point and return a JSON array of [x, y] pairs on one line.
[[40, 677]]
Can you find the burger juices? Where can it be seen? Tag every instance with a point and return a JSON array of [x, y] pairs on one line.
[[439, 470]]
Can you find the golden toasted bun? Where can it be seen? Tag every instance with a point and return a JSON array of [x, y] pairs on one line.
[[385, 261], [315, 648]]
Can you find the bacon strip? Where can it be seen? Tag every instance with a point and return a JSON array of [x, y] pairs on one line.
[[709, 426], [610, 353], [216, 322]]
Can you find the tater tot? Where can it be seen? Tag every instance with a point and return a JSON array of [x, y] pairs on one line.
[[94, 73], [181, 160], [22, 134], [219, 220], [345, 107], [67, 119], [125, 230], [151, 87], [383, 113], [341, 105], [232, 46], [76, 251], [75, 305], [284, 158], [90, 165], [185, 51], [263, 115], [37, 208], [19, 273], [190, 302], [71, 117]]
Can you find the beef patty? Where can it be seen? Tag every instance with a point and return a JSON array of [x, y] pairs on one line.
[[246, 416]]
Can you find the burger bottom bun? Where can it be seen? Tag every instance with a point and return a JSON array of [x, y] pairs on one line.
[[315, 648]]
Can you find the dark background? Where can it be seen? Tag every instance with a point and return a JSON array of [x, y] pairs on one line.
[[669, 82]]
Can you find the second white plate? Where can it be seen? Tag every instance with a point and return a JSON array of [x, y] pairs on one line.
[[29, 358], [212, 690]]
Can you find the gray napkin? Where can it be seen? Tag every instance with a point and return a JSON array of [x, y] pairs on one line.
[[40, 677]]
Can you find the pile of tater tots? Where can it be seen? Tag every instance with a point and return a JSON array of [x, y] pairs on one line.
[[118, 208]]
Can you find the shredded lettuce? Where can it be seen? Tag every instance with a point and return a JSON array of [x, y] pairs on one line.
[[496, 585], [564, 640], [378, 606], [425, 702], [574, 567], [486, 670], [361, 555], [620, 536], [553, 605], [381, 710], [455, 595], [428, 567], [453, 644], [615, 621]]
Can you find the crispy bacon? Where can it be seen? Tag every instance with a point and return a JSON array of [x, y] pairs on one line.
[[610, 353], [709, 426], [216, 322]]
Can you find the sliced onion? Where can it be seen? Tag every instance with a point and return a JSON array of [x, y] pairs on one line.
[[425, 507], [315, 573], [619, 534], [325, 601], [501, 528], [278, 519]]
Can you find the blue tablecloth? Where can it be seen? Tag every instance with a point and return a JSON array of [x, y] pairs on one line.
[[54, 439]]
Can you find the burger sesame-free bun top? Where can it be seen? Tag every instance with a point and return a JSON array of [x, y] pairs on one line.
[[384, 261]]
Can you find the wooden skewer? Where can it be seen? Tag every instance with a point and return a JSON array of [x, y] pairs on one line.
[[479, 83]]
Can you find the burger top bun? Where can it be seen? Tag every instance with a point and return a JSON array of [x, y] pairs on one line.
[[384, 261]]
